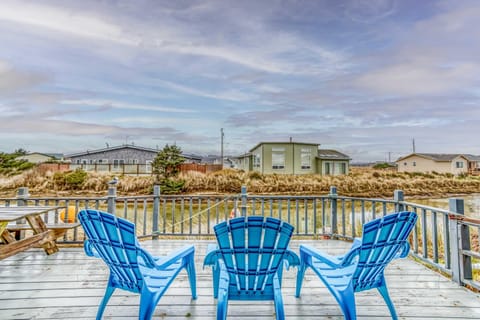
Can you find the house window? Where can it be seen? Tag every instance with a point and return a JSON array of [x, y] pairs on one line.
[[327, 168], [92, 161], [459, 164], [343, 168], [103, 161], [256, 161], [78, 161], [306, 158], [148, 166], [84, 161], [404, 163], [118, 163], [278, 158], [135, 161], [414, 164]]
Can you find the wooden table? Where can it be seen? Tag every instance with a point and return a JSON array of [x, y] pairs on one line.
[[41, 235]]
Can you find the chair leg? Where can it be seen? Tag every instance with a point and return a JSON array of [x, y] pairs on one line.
[[300, 275], [222, 305], [108, 293], [346, 300], [148, 303], [192, 276], [277, 294], [384, 292]]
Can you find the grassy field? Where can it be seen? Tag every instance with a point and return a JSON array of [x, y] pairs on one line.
[[361, 182]]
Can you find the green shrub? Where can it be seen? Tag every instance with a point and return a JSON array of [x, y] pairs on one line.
[[169, 186], [75, 179]]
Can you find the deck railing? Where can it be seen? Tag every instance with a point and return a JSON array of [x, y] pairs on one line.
[[444, 238]]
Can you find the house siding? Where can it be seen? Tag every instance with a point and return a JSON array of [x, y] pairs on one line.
[[417, 163], [128, 155], [335, 167], [292, 152]]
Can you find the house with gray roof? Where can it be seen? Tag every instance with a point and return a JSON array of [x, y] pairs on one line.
[[293, 158], [453, 163], [125, 159]]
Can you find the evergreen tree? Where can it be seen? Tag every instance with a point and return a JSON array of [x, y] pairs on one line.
[[165, 167]]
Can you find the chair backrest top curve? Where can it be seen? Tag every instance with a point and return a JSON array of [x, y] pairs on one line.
[[253, 249], [116, 243], [382, 240]]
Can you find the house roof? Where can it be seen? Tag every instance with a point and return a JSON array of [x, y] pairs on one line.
[[284, 142], [439, 157], [38, 153], [128, 146], [332, 155]]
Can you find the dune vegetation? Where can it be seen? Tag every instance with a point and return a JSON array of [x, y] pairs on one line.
[[361, 182]]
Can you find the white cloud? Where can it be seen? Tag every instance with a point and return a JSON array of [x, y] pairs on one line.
[[123, 105], [419, 79], [62, 20]]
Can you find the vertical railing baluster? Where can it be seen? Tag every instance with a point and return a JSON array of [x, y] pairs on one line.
[[434, 236], [174, 207], [199, 216], [344, 224], [155, 211], [297, 216], [424, 233], [164, 216], [305, 205], [182, 215], [144, 217], [353, 218], [190, 210], [323, 217], [208, 215], [288, 211], [446, 246]]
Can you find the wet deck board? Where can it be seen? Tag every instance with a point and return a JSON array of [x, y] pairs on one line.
[[70, 285]]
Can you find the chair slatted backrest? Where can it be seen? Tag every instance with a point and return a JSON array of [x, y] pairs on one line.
[[252, 249], [116, 243], [382, 240]]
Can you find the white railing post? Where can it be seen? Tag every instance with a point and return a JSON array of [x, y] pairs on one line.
[[111, 199], [459, 241], [333, 209], [244, 201], [398, 197]]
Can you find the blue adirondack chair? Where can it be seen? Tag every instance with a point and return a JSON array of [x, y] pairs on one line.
[[247, 263], [131, 267], [362, 268]]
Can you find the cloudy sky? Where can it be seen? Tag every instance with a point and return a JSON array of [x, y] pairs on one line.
[[365, 77]]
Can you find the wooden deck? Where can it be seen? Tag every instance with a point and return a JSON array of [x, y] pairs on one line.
[[69, 285]]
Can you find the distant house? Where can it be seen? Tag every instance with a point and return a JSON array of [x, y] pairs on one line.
[[439, 162], [125, 159], [37, 157], [293, 158]]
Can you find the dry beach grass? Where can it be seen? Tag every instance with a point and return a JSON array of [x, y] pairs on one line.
[[360, 182]]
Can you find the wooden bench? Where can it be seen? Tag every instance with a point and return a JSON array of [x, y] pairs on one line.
[[57, 229]]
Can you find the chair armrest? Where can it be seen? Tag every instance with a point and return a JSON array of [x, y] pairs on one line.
[[325, 258], [291, 259], [212, 255], [90, 249], [164, 262], [357, 242], [404, 250]]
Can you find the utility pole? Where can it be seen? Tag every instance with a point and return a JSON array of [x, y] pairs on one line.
[[413, 145], [221, 148]]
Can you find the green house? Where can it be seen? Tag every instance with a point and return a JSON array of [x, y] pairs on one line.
[[293, 158]]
